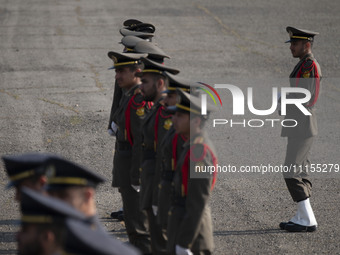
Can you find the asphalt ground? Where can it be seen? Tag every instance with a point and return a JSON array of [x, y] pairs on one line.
[[56, 94]]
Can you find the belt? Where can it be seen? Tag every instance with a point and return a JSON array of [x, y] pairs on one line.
[[168, 175], [124, 146], [180, 201], [149, 154]]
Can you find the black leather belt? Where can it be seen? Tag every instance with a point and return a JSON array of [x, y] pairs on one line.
[[168, 175], [149, 154]]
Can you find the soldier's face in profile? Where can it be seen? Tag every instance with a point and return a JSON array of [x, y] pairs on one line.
[[149, 87], [74, 196], [32, 183], [181, 122], [29, 240], [126, 78], [298, 48], [170, 99]]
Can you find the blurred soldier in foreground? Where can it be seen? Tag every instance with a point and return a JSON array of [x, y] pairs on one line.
[[81, 239], [307, 75], [127, 159], [74, 184], [156, 123], [43, 224], [26, 170], [190, 225]]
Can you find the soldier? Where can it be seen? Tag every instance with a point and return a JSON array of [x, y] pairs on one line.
[[306, 74], [83, 240], [156, 123], [138, 29], [74, 184], [43, 224], [170, 150], [143, 31], [26, 170], [127, 159], [189, 224]]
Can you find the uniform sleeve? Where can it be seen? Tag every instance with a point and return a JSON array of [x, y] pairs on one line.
[[136, 130], [198, 194], [308, 77], [117, 95]]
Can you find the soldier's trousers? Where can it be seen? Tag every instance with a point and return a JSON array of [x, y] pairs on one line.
[[136, 222], [297, 180], [158, 240]]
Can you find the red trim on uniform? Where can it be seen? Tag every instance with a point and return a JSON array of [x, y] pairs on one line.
[[317, 84], [164, 116], [131, 104], [186, 166], [193, 158], [184, 138], [174, 150], [128, 120], [316, 76]]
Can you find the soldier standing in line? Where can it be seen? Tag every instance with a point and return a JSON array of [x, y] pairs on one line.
[[156, 123], [170, 149], [307, 75], [138, 29], [189, 224], [26, 170], [127, 159], [143, 31]]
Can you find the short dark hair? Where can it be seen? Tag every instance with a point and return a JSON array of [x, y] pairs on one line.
[[157, 77], [135, 67]]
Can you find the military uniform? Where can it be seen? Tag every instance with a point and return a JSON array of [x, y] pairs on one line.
[[136, 29], [189, 222], [172, 147], [127, 159], [156, 123], [306, 74]]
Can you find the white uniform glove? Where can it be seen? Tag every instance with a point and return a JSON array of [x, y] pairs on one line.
[[155, 209], [182, 251], [114, 127], [111, 133], [136, 188]]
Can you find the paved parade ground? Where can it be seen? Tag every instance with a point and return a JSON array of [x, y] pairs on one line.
[[56, 94]]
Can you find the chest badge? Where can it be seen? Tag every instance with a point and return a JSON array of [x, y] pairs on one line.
[[167, 124], [140, 111], [306, 74]]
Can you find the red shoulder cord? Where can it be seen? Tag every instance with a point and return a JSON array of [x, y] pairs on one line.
[[128, 115], [186, 166], [159, 113], [317, 82]]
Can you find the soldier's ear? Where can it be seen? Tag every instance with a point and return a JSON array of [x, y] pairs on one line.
[[160, 85]]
